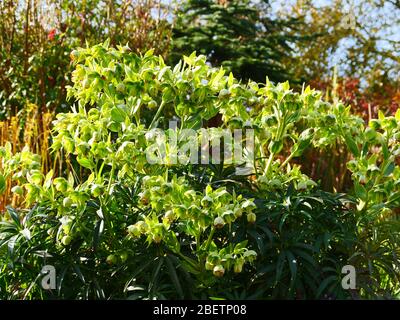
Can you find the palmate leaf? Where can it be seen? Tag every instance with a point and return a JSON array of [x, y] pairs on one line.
[[174, 277], [12, 241], [292, 261], [7, 227], [14, 215], [326, 284], [85, 162], [138, 270], [98, 231], [305, 256], [155, 275], [351, 144], [280, 266]]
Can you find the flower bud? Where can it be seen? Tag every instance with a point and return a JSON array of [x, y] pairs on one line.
[[251, 217], [206, 201], [96, 190], [238, 212], [219, 223], [112, 259], [152, 104], [67, 202], [157, 238], [224, 93], [18, 190], [120, 87], [66, 240], [134, 230], [218, 271], [169, 215], [209, 266], [237, 268], [124, 256]]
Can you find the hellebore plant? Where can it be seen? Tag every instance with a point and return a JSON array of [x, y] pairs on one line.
[[205, 215]]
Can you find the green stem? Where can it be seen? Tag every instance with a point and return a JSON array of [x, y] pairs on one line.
[[111, 178], [202, 258], [198, 237], [280, 131], [98, 174], [271, 157], [157, 115], [281, 128], [188, 260], [287, 160], [210, 238]]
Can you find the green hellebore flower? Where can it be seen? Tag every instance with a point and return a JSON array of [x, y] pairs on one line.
[[67, 202], [66, 240], [157, 238], [269, 120], [206, 201], [219, 223], [143, 227], [74, 55], [224, 93], [112, 259], [61, 184], [86, 83], [152, 104], [18, 190], [169, 215], [238, 212], [251, 217], [209, 266], [238, 267], [134, 230], [375, 124], [248, 205], [124, 256], [121, 88], [96, 190], [218, 271]]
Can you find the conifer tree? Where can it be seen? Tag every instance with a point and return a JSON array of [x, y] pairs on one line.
[[241, 35]]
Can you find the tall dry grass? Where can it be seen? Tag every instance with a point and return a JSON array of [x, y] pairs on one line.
[[31, 128]]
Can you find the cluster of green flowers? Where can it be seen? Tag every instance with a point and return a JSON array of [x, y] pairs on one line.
[[229, 258], [172, 210]]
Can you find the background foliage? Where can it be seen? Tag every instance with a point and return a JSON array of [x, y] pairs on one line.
[[240, 35]]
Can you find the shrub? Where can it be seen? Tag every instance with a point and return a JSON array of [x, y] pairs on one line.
[[128, 227]]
